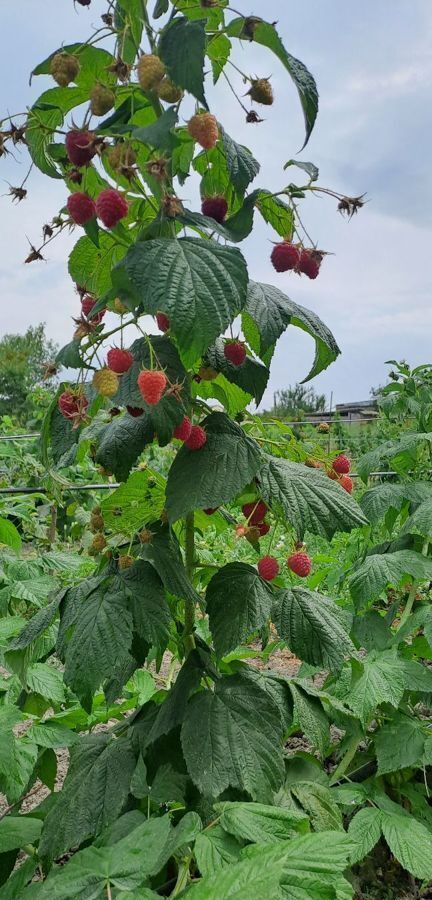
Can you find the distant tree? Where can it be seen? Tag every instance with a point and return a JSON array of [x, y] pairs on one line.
[[294, 402], [23, 358]]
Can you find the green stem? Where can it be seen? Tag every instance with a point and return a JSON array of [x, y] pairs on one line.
[[182, 877], [346, 759], [411, 596], [189, 604]]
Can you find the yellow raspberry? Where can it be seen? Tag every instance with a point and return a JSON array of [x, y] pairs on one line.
[[102, 99], [169, 91], [204, 129], [105, 382], [151, 70], [64, 68]]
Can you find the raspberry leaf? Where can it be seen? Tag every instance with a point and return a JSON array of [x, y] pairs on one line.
[[410, 843], [260, 823], [309, 500], [399, 743], [380, 569], [198, 284], [240, 739], [272, 312], [216, 473], [91, 265], [182, 48], [252, 377], [160, 132], [163, 552], [121, 442], [238, 602], [276, 213], [242, 166], [309, 623], [231, 397], [135, 503], [378, 500]]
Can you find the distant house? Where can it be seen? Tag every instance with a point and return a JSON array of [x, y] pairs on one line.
[[361, 411]]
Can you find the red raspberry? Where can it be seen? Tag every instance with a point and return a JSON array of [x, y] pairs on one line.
[[81, 208], [215, 207], [111, 207], [300, 563], [80, 147], [211, 510], [235, 352], [183, 431], [152, 383], [268, 568], [163, 322], [309, 263], [196, 439], [263, 528], [255, 512], [72, 404], [87, 304], [119, 360], [285, 256], [135, 411], [341, 464], [346, 483]]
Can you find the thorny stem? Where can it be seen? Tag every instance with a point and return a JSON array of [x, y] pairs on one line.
[[244, 108], [411, 596], [189, 604]]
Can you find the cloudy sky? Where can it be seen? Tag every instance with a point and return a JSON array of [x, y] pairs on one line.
[[373, 65]]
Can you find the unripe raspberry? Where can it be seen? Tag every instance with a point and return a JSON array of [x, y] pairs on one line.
[[204, 129], [183, 431], [80, 147], [119, 360], [96, 522], [98, 544], [87, 304], [168, 91], [300, 563], [261, 91], [151, 384], [122, 158], [268, 568], [341, 464], [255, 512], [151, 70], [312, 463], [196, 439], [64, 68], [105, 382], [163, 322], [309, 263], [135, 411], [111, 207], [72, 404], [102, 99], [145, 536], [285, 256], [207, 373], [235, 353], [125, 562], [346, 483], [81, 208], [215, 207]]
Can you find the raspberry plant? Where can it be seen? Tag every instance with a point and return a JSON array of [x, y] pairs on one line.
[[190, 791]]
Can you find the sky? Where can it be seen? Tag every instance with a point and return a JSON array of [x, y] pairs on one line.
[[373, 66]]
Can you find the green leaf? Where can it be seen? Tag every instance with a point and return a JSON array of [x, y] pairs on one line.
[[311, 717], [204, 478], [101, 637], [309, 500], [122, 442], [215, 849], [91, 266], [240, 737], [382, 681], [231, 397], [420, 522], [401, 453], [182, 48], [199, 284], [264, 33], [238, 602], [249, 879], [16, 831], [259, 823], [136, 503], [381, 569], [252, 377], [276, 213], [46, 681], [37, 625], [378, 500], [52, 735], [399, 743], [150, 611], [16, 883], [310, 168], [371, 631], [218, 51], [242, 166], [365, 831], [236, 228], [159, 133], [309, 623], [410, 842], [272, 311], [163, 552], [318, 802], [9, 535], [93, 795], [41, 124]]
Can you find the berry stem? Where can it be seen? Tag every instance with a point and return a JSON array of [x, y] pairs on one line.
[[189, 622]]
